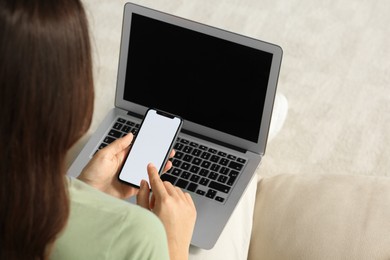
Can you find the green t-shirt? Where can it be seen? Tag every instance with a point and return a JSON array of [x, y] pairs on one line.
[[103, 227]]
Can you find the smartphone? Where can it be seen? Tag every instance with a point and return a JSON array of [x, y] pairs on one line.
[[152, 144]]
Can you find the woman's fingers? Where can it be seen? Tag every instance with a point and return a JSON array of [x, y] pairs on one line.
[[160, 189], [156, 183], [143, 195], [120, 144], [168, 165]]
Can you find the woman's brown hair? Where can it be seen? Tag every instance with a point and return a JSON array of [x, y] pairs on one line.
[[46, 103]]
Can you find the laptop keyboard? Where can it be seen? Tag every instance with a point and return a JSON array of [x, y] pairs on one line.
[[195, 167]]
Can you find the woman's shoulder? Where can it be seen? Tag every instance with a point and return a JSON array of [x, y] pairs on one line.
[[116, 227], [88, 201]]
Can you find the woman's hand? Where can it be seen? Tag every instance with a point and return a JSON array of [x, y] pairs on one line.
[[174, 207], [101, 171]]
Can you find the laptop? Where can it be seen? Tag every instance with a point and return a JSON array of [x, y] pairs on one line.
[[221, 83]]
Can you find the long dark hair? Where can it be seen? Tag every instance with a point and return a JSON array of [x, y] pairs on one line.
[[46, 105]]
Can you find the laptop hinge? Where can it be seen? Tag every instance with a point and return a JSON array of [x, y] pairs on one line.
[[198, 136]]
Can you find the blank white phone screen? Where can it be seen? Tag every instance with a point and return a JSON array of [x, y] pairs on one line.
[[152, 144]]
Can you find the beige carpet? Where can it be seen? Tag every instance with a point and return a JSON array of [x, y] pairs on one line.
[[335, 74]]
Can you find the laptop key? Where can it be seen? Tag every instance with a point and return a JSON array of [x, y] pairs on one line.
[[224, 170], [213, 175], [219, 199], [184, 141], [195, 178], [196, 161], [197, 152], [185, 166], [235, 165], [206, 164], [121, 120], [185, 175], [211, 193], [193, 144], [192, 187], [126, 129], [194, 169], [178, 146], [231, 157], [241, 160], [222, 178], [222, 154], [102, 145], [130, 123], [118, 126], [233, 176], [109, 140], [215, 167], [215, 158], [204, 181], [187, 149], [176, 171], [176, 163], [134, 131], [211, 150], [204, 172], [224, 161], [167, 177], [202, 147], [200, 192], [181, 183], [219, 186], [179, 155], [115, 133], [187, 158]]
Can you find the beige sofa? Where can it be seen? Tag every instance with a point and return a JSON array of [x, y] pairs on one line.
[[325, 217]]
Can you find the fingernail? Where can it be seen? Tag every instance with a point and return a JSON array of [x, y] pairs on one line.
[[144, 184]]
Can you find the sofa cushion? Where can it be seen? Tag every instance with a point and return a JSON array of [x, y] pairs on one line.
[[321, 217]]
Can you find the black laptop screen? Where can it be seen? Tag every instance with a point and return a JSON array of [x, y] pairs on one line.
[[204, 79]]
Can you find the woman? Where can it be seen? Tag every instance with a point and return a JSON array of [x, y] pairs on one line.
[[46, 105]]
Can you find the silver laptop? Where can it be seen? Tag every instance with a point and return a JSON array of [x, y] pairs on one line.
[[221, 83]]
